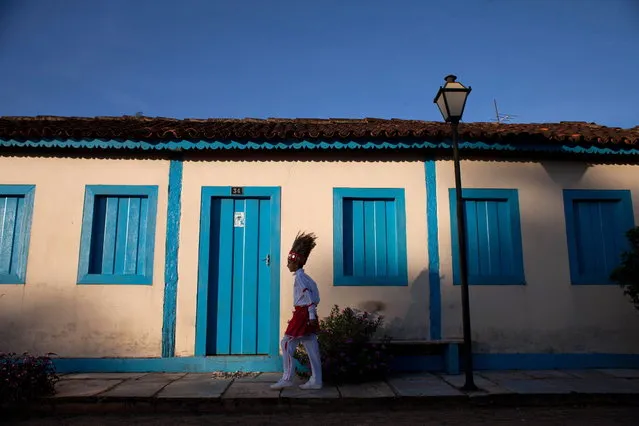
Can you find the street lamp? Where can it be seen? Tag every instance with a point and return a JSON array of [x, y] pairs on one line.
[[451, 100]]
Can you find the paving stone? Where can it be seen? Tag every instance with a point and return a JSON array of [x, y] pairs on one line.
[[366, 390], [415, 376], [103, 376], [144, 387], [548, 374], [588, 374], [623, 373], [83, 388], [484, 385], [498, 376], [262, 378], [537, 387], [601, 386], [422, 386], [195, 386], [327, 392], [248, 390]]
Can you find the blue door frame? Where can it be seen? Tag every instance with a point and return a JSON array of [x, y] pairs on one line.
[[201, 322]]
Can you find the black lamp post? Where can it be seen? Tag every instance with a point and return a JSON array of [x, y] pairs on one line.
[[451, 100]]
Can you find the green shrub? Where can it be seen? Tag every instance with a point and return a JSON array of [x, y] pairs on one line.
[[349, 355], [627, 273], [25, 377]]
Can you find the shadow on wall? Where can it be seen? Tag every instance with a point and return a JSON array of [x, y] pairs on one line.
[[70, 328], [415, 322], [392, 155], [412, 322], [32, 329], [566, 174], [62, 328], [548, 314], [371, 156], [315, 156]]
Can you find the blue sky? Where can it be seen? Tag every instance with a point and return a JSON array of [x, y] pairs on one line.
[[543, 60]]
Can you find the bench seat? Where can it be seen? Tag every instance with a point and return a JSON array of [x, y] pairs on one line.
[[448, 348]]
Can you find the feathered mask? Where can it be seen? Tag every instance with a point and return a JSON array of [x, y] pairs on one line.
[[302, 247]]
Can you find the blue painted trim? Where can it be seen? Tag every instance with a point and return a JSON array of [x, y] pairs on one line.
[[434, 280], [208, 193], [625, 219], [22, 255], [451, 359], [151, 192], [200, 145], [512, 361], [512, 197], [396, 194], [173, 215], [169, 365], [536, 361]]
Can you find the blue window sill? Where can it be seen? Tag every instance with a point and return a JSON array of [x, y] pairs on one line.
[[116, 279], [391, 281], [591, 280], [11, 279]]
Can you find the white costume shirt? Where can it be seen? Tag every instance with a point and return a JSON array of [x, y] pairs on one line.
[[305, 292]]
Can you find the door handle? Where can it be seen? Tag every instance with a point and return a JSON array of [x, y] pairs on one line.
[[267, 259]]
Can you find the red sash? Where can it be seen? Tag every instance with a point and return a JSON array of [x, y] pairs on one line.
[[300, 325]]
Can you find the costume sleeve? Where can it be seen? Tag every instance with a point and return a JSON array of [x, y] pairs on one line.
[[312, 312], [309, 295]]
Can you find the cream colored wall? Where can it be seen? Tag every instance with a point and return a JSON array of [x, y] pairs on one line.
[[548, 314], [307, 204], [51, 313]]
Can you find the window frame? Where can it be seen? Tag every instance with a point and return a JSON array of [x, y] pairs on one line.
[[511, 196], [28, 192], [399, 197], [91, 191], [625, 215]]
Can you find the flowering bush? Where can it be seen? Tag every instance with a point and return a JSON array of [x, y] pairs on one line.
[[25, 377], [348, 353], [627, 273]]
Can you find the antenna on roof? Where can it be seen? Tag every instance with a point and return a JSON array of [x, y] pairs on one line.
[[502, 118]]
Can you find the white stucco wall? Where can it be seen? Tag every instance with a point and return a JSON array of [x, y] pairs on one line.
[[548, 314], [307, 204], [51, 313]]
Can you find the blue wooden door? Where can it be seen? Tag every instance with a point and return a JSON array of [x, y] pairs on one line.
[[239, 278]]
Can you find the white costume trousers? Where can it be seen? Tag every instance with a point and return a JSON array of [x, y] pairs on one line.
[[289, 344]]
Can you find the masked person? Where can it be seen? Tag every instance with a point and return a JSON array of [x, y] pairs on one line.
[[304, 325]]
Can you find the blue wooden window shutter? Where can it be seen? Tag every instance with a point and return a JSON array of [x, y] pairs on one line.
[[369, 228], [118, 235], [596, 224], [16, 212], [494, 243]]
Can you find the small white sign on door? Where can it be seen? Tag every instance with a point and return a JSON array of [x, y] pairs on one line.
[[238, 221]]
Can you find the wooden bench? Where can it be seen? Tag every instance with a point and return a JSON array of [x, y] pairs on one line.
[[448, 348]]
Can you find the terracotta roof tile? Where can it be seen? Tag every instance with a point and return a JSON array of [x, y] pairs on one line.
[[158, 129]]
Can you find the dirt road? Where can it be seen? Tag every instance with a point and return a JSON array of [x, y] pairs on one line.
[[574, 416]]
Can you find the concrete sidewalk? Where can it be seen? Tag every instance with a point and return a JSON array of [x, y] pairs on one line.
[[213, 392]]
